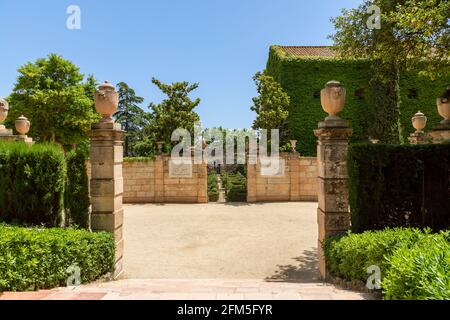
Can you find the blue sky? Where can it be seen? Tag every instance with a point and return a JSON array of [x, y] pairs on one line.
[[220, 44]]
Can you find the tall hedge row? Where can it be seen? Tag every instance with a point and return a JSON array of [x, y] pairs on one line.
[[399, 186], [303, 78], [31, 184], [76, 195], [38, 182]]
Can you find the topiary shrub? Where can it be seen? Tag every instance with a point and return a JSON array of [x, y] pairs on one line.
[[34, 258], [31, 183], [235, 187], [213, 188], [76, 195]]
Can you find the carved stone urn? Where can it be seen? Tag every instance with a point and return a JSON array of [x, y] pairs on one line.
[[106, 101], [4, 108], [443, 105], [294, 145], [332, 98], [419, 121], [22, 125]]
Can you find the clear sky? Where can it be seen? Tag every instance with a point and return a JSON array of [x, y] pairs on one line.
[[220, 44]]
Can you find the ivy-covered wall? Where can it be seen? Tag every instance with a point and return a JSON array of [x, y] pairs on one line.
[[303, 78]]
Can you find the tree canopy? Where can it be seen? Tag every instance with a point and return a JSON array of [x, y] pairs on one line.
[[412, 35], [130, 116], [51, 93]]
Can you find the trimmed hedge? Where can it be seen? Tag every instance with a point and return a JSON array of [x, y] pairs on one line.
[[414, 264], [31, 183], [302, 78], [33, 258], [235, 187], [213, 188], [76, 196], [399, 186]]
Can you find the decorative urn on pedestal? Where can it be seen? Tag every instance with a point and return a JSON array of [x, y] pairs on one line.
[[419, 121], [443, 105], [22, 125], [293, 145], [4, 108], [332, 98], [106, 101]]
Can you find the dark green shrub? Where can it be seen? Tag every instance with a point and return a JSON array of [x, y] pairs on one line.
[[421, 272], [76, 195], [33, 258], [213, 188], [31, 183], [399, 186]]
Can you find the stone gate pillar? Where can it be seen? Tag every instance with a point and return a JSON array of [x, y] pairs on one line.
[[333, 216], [106, 183]]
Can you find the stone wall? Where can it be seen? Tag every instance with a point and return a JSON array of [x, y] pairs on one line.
[[299, 182], [149, 182]]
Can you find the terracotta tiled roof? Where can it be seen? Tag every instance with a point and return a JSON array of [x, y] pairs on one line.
[[309, 51]]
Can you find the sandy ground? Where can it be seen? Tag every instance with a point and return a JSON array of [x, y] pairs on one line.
[[226, 241]]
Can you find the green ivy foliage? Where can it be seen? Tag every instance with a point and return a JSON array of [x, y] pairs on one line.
[[31, 183], [34, 258], [302, 78], [399, 185]]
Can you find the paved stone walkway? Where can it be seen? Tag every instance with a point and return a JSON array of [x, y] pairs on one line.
[[187, 289]]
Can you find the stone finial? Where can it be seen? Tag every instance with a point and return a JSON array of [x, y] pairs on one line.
[[106, 101], [443, 105], [332, 98], [419, 121], [22, 125], [4, 108]]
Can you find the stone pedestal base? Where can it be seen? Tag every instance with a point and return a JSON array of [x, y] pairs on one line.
[[419, 137], [440, 133], [107, 184], [333, 216], [6, 135]]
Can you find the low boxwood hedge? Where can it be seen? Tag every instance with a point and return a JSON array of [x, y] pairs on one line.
[[235, 187], [414, 264], [37, 258], [213, 188]]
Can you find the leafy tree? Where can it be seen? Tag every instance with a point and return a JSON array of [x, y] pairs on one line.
[[130, 115], [51, 93], [174, 112], [271, 105], [414, 34]]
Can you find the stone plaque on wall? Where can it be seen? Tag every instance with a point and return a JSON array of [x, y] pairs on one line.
[[273, 167], [180, 168]]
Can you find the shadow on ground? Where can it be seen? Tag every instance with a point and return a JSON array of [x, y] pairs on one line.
[[305, 270]]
